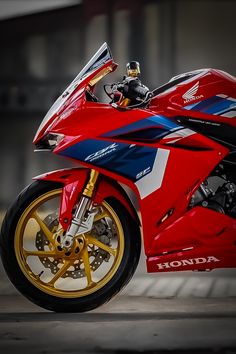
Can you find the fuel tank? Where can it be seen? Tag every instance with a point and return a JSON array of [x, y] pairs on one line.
[[203, 100]]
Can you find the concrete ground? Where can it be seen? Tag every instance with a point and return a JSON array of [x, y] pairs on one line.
[[125, 325]]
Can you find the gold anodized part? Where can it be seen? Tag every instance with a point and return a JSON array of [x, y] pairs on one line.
[[125, 102], [133, 72], [88, 190], [100, 75]]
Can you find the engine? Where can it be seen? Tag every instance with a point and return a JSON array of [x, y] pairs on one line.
[[218, 191]]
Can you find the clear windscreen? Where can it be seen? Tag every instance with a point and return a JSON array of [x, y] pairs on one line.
[[100, 58]]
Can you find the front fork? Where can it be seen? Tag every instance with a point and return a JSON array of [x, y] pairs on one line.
[[83, 218]]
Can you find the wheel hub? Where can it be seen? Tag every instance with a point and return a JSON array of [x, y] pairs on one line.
[[102, 230]]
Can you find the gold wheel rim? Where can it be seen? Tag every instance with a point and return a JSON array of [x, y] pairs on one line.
[[22, 254]]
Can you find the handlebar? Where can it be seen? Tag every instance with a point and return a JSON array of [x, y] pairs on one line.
[[132, 89], [143, 102]]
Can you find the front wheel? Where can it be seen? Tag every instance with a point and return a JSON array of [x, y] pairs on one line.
[[96, 267]]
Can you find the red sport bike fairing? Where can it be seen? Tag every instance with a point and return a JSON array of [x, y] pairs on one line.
[[176, 152]]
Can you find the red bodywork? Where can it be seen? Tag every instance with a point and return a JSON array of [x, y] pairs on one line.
[[175, 236]]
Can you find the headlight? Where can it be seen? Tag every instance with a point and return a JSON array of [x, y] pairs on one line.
[[49, 142], [54, 139]]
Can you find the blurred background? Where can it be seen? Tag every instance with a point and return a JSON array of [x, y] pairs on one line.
[[44, 44]]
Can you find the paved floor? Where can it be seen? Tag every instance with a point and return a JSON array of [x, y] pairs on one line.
[[125, 325]]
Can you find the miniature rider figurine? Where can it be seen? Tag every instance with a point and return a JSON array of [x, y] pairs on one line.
[[131, 87]]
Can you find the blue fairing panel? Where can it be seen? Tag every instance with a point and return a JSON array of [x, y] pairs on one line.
[[125, 159], [147, 130]]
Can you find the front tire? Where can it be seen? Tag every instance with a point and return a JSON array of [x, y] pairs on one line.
[[99, 264]]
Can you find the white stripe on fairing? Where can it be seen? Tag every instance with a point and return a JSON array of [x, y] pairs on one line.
[[153, 181], [230, 114], [231, 99], [227, 97], [222, 112], [221, 95], [180, 134]]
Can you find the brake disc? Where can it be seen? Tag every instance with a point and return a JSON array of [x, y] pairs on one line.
[[103, 230]]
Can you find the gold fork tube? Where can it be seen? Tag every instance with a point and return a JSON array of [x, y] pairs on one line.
[[88, 190]]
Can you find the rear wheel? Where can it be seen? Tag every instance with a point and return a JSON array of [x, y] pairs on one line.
[[97, 266]]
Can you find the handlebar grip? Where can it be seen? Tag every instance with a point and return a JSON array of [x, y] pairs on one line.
[[141, 90], [133, 89]]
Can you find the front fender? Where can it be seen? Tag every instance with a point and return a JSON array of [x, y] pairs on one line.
[[73, 181]]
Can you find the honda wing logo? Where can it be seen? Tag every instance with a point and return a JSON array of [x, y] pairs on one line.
[[190, 95]]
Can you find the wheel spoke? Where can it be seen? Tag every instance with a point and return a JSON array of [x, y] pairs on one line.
[[85, 257], [43, 227], [40, 253], [100, 216], [101, 245], [60, 272]]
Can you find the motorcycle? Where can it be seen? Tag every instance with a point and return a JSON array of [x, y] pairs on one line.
[[162, 162]]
